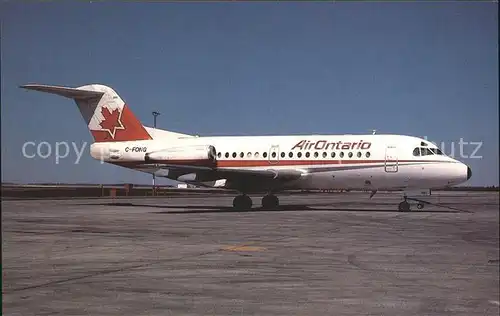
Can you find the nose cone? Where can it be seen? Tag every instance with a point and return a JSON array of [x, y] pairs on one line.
[[469, 173]]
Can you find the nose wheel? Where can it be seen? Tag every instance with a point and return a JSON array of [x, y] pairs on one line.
[[242, 203], [404, 206]]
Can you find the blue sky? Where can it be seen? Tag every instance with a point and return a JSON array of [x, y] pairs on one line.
[[221, 68]]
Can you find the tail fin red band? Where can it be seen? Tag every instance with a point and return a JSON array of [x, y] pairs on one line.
[[107, 116]]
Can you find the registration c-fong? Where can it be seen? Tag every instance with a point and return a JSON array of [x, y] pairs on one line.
[[136, 149]]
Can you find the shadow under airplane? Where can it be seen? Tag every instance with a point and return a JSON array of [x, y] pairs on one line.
[[206, 209]]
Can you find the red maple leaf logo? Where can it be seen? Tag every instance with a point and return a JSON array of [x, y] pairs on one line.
[[112, 121]]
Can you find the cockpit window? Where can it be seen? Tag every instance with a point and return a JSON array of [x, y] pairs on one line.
[[436, 151], [426, 152], [423, 151]]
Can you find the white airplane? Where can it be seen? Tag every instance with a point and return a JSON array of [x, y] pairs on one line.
[[260, 164]]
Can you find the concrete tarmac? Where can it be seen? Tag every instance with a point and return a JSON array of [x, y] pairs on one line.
[[321, 254]]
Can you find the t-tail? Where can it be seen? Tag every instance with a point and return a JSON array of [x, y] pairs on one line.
[[107, 116]]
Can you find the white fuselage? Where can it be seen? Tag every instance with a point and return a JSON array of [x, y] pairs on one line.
[[370, 162], [268, 163]]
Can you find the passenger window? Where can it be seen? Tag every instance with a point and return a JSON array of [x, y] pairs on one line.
[[256, 155], [333, 154], [308, 154], [324, 154], [299, 154], [290, 154], [234, 155], [249, 154], [227, 155], [273, 154], [282, 154], [316, 155], [341, 154], [242, 155], [416, 152], [350, 154], [264, 155], [219, 154], [368, 154], [359, 154]]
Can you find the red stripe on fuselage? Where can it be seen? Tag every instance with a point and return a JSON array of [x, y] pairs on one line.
[[264, 163], [236, 163]]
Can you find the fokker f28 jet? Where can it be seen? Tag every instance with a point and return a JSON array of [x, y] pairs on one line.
[[260, 164]]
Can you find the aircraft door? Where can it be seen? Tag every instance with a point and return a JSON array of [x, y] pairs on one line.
[[391, 159], [274, 154]]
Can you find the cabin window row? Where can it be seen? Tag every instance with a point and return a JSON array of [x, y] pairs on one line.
[[291, 155]]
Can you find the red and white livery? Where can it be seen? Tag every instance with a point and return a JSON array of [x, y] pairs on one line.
[[260, 164]]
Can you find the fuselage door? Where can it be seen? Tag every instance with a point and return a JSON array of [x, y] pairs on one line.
[[274, 154], [391, 159]]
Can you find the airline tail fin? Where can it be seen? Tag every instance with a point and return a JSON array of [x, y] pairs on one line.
[[107, 116]]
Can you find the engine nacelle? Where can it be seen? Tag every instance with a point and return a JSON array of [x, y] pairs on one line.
[[193, 154]]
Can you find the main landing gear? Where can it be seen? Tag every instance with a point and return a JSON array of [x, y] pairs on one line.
[[270, 202], [244, 203]]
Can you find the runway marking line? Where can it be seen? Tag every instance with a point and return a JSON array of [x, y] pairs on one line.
[[243, 247]]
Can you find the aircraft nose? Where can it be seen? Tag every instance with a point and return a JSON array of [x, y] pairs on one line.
[[469, 172]]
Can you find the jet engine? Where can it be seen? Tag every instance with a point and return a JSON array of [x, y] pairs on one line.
[[192, 155]]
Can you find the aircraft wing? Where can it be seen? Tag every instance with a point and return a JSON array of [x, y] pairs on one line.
[[235, 178], [233, 173]]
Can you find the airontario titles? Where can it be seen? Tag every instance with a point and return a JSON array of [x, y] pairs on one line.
[[326, 145]]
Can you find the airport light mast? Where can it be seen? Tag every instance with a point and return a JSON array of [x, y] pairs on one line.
[[155, 114]]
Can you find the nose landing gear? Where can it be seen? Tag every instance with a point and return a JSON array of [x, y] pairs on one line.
[[404, 206]]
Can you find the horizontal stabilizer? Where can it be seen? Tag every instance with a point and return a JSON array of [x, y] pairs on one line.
[[107, 116], [72, 93]]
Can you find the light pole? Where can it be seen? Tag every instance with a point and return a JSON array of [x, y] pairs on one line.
[[155, 114]]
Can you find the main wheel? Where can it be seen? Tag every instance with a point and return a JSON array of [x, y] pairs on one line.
[[242, 203], [270, 202], [404, 206]]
